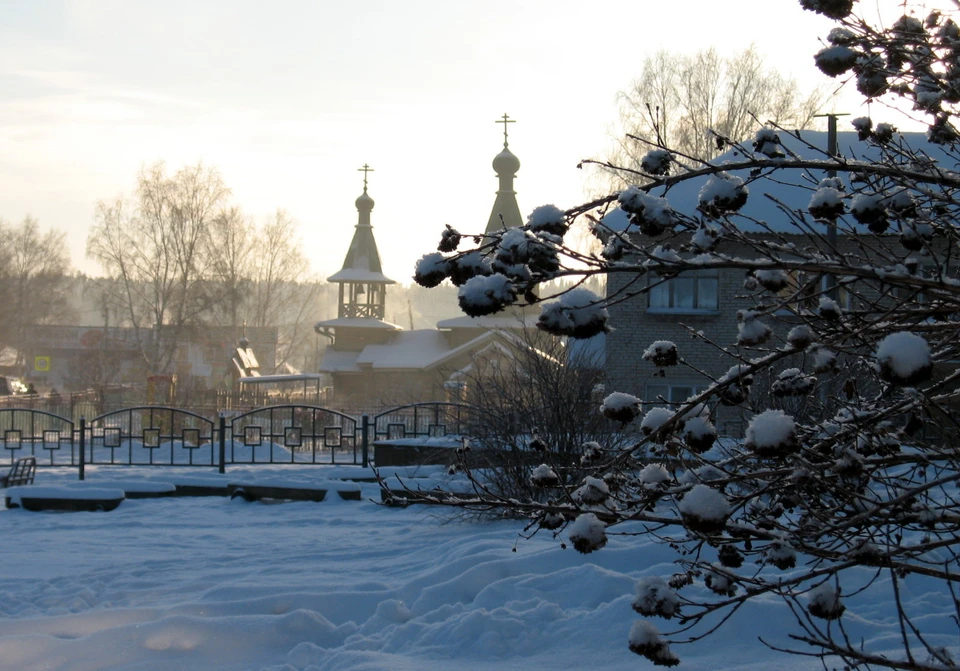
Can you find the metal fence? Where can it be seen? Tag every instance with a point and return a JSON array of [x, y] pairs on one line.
[[153, 435]]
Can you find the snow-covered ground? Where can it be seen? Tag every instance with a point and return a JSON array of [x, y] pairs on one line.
[[209, 583]]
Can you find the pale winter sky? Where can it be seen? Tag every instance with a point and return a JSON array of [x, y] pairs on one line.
[[289, 98]]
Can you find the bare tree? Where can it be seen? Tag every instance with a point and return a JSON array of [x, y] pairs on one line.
[[232, 246], [283, 289], [680, 101], [842, 493], [154, 250], [34, 279]]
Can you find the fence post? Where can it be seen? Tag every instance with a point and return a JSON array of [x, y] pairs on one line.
[[83, 444], [365, 439], [223, 443]]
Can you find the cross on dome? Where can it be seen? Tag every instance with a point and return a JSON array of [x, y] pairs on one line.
[[505, 120], [365, 169]]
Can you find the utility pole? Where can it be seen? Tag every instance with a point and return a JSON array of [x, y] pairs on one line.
[[830, 281]]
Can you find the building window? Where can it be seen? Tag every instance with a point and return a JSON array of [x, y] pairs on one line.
[[673, 394], [692, 291]]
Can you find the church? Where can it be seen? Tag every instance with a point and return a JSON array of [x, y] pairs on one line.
[[373, 362]]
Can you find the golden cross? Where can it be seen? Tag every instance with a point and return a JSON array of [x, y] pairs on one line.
[[365, 169], [505, 120]]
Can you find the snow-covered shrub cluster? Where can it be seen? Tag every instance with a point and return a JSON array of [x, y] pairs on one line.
[[842, 372]]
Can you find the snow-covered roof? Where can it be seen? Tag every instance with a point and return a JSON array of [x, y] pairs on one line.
[[499, 321], [273, 379], [793, 188], [360, 275], [415, 350], [339, 361], [359, 322]]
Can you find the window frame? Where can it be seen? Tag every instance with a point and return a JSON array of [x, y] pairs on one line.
[[696, 388], [656, 285]]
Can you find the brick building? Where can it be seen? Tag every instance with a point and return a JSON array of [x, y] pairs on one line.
[[708, 300]]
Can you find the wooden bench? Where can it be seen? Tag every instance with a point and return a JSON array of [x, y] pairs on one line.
[[21, 472]]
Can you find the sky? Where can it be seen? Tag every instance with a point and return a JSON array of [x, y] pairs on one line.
[[289, 99]]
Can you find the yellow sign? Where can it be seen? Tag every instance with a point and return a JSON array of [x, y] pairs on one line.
[[41, 364]]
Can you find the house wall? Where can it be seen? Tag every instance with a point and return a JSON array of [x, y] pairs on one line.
[[635, 326]]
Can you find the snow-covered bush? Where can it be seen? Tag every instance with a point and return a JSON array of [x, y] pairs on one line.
[[842, 372]]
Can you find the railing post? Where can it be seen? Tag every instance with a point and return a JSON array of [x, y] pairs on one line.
[[223, 443], [83, 444], [365, 440]]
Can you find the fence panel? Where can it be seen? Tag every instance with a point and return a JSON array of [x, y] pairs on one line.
[[26, 432], [294, 434], [422, 420], [152, 436]]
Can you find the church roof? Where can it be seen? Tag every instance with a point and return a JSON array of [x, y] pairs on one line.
[[506, 212], [362, 263]]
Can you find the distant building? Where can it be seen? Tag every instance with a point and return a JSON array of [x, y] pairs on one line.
[[375, 362], [74, 358]]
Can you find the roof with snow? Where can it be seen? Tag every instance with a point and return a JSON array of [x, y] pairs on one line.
[[792, 188], [505, 320], [415, 350], [359, 322], [362, 263], [407, 350]]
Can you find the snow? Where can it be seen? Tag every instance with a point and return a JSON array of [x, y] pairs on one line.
[[825, 602], [905, 353], [548, 218], [621, 407], [704, 503], [724, 192], [209, 584], [655, 418], [486, 295], [72, 493], [771, 430], [663, 351], [654, 597], [587, 533], [750, 330], [653, 475], [578, 313]]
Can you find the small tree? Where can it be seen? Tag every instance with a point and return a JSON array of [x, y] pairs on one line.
[[852, 498], [534, 402]]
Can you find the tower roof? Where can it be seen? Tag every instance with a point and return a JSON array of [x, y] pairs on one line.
[[362, 263], [505, 213]]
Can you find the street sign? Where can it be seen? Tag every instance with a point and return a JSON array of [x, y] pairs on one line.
[[41, 364]]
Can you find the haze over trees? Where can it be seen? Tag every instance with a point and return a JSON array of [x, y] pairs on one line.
[[682, 100], [179, 255], [34, 279], [843, 491]]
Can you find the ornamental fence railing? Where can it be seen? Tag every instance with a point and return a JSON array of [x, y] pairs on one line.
[[153, 435]]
